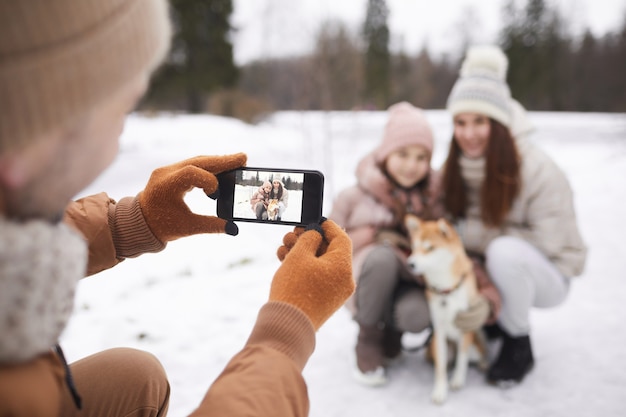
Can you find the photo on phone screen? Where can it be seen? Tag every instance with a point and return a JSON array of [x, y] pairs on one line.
[[271, 195]]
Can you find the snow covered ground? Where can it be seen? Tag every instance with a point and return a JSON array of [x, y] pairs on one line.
[[193, 304]]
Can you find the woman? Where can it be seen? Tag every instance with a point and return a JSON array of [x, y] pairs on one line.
[[395, 179], [512, 204], [280, 193]]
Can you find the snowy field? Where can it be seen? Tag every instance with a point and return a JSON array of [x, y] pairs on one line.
[[193, 304]]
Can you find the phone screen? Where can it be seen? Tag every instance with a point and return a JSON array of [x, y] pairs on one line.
[[271, 195]]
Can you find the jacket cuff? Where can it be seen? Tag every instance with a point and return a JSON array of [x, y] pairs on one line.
[[131, 234], [286, 329], [486, 288], [495, 303]]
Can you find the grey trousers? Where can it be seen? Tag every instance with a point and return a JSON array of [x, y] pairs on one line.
[[387, 293], [525, 279]]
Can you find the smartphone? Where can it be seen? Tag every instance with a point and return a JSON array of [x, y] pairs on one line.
[[271, 195]]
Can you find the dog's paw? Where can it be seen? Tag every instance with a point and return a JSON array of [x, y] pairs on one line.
[[457, 382], [483, 364], [459, 376], [440, 393]]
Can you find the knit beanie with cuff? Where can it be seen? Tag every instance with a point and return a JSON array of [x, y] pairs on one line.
[[481, 87], [406, 126], [60, 59]]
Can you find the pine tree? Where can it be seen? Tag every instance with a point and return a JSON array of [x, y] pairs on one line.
[[377, 57], [615, 64], [539, 55], [336, 67], [201, 58]]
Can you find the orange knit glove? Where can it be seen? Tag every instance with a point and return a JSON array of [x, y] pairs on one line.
[[162, 204], [316, 273]]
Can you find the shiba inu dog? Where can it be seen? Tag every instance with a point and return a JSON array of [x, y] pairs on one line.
[[272, 209], [438, 254]]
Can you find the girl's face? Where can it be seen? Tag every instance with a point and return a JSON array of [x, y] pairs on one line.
[[471, 132], [276, 184], [267, 188], [409, 165]]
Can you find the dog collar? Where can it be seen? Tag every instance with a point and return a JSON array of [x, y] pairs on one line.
[[446, 291]]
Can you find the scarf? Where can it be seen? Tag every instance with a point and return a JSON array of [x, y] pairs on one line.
[[473, 173], [40, 265]]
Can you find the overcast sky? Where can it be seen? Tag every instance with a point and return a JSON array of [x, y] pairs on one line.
[[269, 28]]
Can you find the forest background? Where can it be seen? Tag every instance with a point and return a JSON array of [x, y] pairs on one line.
[[550, 68]]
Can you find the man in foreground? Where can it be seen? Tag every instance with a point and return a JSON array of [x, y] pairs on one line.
[[69, 73]]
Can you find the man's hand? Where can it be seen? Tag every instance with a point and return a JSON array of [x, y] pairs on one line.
[[316, 271], [162, 201]]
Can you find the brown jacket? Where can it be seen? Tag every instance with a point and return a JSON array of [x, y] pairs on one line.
[[264, 378]]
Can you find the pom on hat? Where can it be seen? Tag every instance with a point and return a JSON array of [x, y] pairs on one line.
[[481, 87], [406, 126], [485, 59]]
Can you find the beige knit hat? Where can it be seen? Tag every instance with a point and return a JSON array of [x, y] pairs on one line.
[[406, 126], [60, 58], [481, 87]]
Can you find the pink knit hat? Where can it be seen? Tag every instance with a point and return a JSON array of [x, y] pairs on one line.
[[406, 126]]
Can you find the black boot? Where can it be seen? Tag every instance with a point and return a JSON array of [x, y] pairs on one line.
[[514, 361], [493, 331], [392, 342]]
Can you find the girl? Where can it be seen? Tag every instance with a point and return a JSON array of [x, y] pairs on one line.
[[259, 200], [395, 179], [512, 204]]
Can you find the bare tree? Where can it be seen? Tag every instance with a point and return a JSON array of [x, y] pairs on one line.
[[336, 67]]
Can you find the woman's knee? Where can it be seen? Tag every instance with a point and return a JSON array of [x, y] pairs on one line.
[[504, 247], [504, 257]]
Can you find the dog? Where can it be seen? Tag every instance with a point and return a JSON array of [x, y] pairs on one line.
[[438, 254], [272, 209]]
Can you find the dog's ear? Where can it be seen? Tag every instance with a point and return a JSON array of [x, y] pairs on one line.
[[412, 223], [445, 228]]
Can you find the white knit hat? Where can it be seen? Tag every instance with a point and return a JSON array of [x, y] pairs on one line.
[[481, 87], [406, 126]]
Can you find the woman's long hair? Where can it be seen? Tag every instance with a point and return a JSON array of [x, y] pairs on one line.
[[277, 194], [502, 178]]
